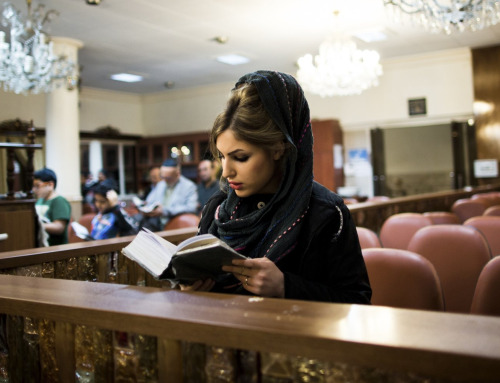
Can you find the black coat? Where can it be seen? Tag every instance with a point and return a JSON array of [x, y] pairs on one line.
[[327, 264]]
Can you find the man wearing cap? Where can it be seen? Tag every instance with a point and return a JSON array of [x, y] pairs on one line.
[[53, 210], [176, 195]]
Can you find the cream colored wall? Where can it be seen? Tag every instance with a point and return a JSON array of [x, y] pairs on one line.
[[184, 111], [443, 78], [101, 108]]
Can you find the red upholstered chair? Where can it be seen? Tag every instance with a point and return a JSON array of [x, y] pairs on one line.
[[442, 217], [398, 229], [490, 227], [493, 211], [466, 208], [486, 300], [368, 238], [489, 198], [401, 278], [86, 220], [458, 254], [182, 221], [72, 237]]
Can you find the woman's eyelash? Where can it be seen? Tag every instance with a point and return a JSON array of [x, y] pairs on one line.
[[242, 158]]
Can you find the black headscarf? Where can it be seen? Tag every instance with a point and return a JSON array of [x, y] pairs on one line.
[[272, 231]]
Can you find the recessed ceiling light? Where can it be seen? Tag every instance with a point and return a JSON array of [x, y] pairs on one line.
[[233, 59], [371, 36], [126, 77]]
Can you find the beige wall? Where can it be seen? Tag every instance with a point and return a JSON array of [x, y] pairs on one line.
[[444, 78]]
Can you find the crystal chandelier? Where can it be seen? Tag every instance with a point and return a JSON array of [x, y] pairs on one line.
[[339, 69], [447, 15], [27, 63]]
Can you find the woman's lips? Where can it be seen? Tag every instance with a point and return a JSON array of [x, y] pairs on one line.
[[235, 185]]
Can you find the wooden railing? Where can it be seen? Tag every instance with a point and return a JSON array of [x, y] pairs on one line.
[[63, 331], [373, 214], [98, 261], [57, 327]]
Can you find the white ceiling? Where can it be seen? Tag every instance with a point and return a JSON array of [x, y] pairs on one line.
[[172, 40]]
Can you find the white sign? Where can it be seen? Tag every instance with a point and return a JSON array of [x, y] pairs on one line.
[[485, 168]]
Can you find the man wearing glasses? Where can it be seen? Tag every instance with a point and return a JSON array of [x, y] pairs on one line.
[[53, 210]]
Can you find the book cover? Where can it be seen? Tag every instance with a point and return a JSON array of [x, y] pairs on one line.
[[198, 257]]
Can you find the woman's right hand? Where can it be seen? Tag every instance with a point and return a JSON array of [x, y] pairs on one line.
[[199, 285]]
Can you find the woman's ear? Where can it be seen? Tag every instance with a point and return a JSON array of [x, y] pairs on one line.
[[279, 151]]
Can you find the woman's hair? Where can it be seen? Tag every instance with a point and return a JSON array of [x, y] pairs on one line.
[[248, 120]]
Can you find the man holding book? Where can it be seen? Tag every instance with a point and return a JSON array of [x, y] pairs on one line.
[[174, 195]]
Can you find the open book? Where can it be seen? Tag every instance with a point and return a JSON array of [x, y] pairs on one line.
[[198, 257], [143, 207], [81, 231]]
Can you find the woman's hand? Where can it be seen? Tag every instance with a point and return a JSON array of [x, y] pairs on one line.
[[260, 276], [200, 285]]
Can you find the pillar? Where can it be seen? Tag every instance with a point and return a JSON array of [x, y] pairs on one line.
[[62, 135]]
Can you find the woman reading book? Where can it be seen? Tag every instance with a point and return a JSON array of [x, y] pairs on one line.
[[299, 236]]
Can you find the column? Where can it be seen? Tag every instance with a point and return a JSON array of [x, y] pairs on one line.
[[95, 157], [62, 140]]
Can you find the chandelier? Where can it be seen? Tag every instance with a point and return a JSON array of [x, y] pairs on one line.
[[28, 63], [447, 15], [339, 69]]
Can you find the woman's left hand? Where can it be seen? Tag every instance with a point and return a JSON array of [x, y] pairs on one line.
[[260, 276]]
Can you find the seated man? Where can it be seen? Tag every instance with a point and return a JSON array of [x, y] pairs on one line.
[[208, 184], [175, 196], [53, 210]]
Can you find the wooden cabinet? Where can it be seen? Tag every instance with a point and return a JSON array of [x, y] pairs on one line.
[[17, 222], [328, 153], [189, 149]]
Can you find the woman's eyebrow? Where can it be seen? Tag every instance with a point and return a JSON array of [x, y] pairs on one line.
[[235, 151]]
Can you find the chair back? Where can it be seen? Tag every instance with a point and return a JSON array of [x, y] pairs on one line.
[[398, 229], [458, 253], [466, 208], [486, 300], [72, 237], [442, 217], [493, 211], [490, 227], [401, 278], [86, 220], [182, 220], [368, 238], [488, 198]]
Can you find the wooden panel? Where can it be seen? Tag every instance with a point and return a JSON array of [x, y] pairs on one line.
[[327, 133], [452, 346], [17, 220], [486, 73]]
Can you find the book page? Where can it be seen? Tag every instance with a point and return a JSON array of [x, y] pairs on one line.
[[198, 240], [151, 251], [80, 230]]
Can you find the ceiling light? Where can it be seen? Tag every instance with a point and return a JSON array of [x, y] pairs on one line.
[[27, 62], [233, 59], [339, 69], [371, 36], [446, 15], [126, 77]]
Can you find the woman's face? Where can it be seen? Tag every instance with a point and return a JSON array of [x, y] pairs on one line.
[[249, 169]]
